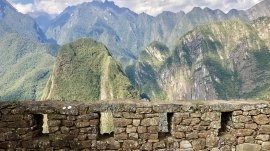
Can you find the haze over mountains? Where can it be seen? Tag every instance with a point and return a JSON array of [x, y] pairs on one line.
[[204, 54]]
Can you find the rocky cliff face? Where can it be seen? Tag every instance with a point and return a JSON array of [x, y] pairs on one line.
[[224, 60], [84, 70]]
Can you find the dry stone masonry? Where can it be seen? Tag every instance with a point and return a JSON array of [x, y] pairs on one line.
[[182, 126]]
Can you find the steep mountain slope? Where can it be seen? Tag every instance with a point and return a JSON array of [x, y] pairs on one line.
[[145, 72], [24, 67], [84, 70], [259, 10], [15, 22], [224, 60], [25, 62]]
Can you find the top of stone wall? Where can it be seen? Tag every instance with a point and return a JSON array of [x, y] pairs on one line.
[[84, 107]]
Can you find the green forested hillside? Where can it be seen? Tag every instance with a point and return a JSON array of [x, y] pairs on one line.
[[84, 70]]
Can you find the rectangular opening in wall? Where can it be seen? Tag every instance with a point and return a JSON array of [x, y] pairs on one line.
[[106, 126], [39, 125], [226, 119], [165, 125]]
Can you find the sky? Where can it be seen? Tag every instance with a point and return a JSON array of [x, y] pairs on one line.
[[151, 7]]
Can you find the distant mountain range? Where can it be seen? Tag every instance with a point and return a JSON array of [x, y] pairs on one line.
[[203, 54], [126, 33]]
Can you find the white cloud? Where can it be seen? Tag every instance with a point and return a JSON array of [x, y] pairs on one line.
[[24, 8], [152, 7]]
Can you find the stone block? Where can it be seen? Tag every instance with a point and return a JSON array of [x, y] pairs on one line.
[[147, 146], [211, 116], [185, 144], [129, 115], [179, 135], [122, 122], [263, 137], [131, 129], [130, 145], [143, 110], [133, 136], [212, 141], [159, 145], [136, 122], [198, 144], [88, 116], [251, 126], [142, 129], [244, 132], [248, 147], [261, 119], [82, 124], [264, 129], [54, 123], [266, 146], [152, 129], [150, 121]]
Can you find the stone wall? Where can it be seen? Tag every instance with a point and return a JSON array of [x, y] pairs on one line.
[[182, 126]]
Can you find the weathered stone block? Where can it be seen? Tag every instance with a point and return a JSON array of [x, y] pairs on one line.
[[244, 132], [248, 147], [211, 116], [185, 144], [264, 129], [198, 144], [54, 123], [261, 119], [142, 129], [132, 115], [153, 129], [131, 129], [251, 126], [121, 122], [150, 122], [241, 119], [249, 139], [64, 129], [192, 135], [212, 141], [263, 137], [56, 117], [266, 146], [144, 110], [133, 136], [159, 145], [88, 116], [130, 145], [136, 122], [147, 146], [122, 136], [82, 124], [178, 135]]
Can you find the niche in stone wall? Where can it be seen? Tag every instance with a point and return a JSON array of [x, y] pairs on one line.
[[165, 125], [106, 126], [38, 127], [226, 121]]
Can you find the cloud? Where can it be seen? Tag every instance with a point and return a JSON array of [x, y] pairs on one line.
[[152, 7]]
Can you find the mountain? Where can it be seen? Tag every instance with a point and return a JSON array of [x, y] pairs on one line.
[[145, 72], [124, 32], [25, 61], [15, 22], [85, 70], [259, 10], [224, 60]]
